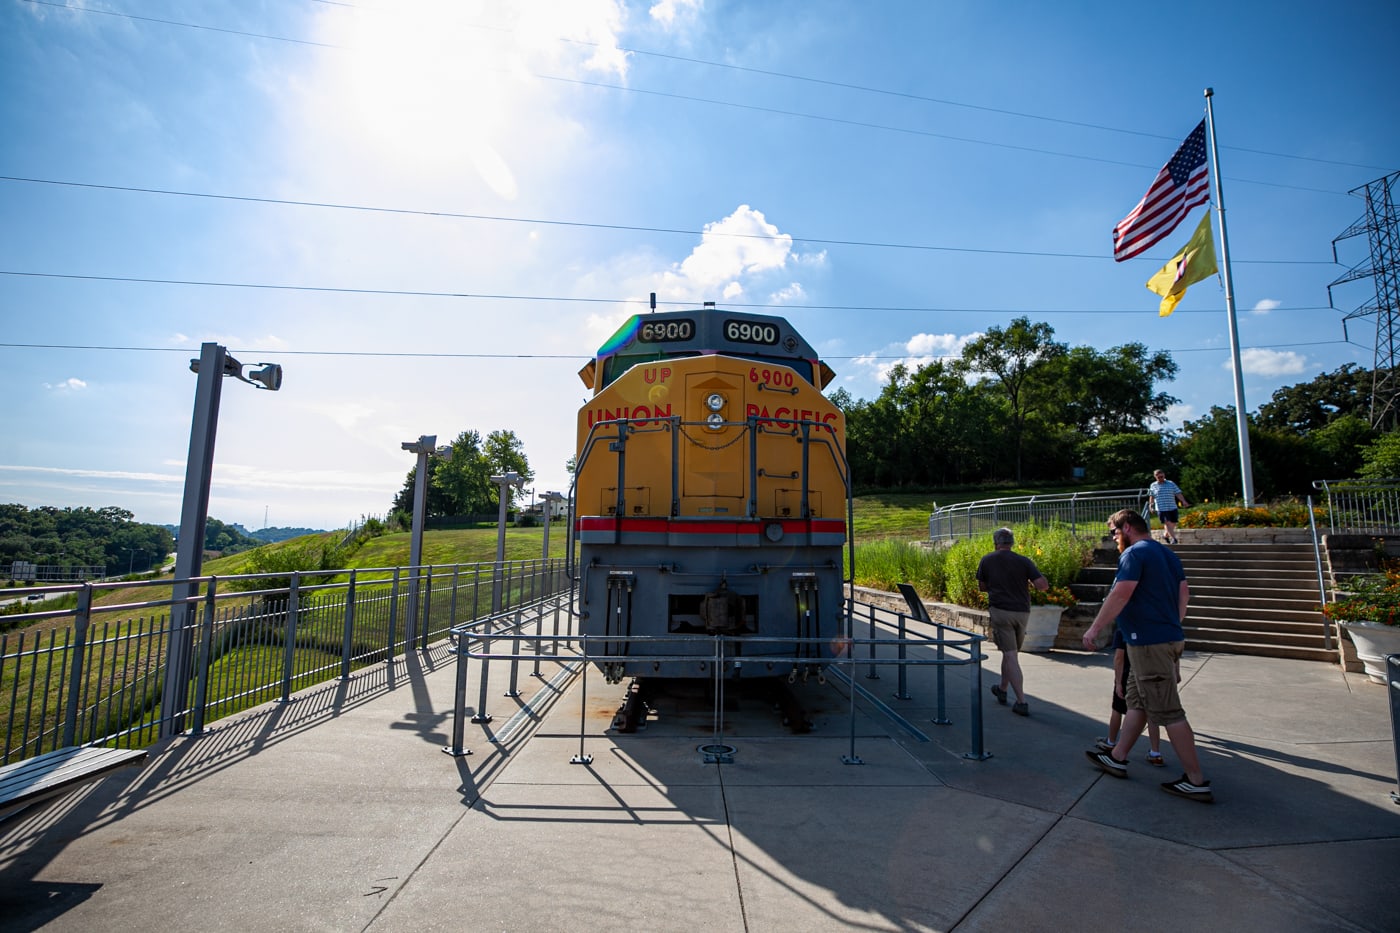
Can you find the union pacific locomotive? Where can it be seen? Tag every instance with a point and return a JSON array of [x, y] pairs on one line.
[[712, 497]]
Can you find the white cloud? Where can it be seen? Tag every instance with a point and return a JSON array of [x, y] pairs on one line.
[[669, 12], [1269, 362], [720, 267], [1265, 306], [1177, 415], [918, 351], [742, 244], [71, 384], [793, 292]]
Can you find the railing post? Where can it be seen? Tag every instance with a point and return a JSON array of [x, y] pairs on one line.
[[516, 645], [426, 612], [81, 620], [452, 601], [289, 629], [459, 702], [1392, 680], [393, 616], [977, 752], [206, 638], [481, 715], [348, 640], [902, 690]]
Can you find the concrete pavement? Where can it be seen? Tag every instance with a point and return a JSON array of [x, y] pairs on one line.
[[340, 811]]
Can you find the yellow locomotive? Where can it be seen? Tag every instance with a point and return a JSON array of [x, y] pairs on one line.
[[712, 498]]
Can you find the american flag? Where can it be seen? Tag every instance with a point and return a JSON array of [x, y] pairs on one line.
[[1183, 183]]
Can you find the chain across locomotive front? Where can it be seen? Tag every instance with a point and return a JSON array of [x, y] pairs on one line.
[[711, 498]]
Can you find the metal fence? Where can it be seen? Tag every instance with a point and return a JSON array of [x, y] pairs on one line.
[[888, 642], [96, 673], [1361, 508], [1080, 511]]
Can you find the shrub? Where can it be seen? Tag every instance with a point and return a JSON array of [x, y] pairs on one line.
[[950, 574], [1370, 598], [1286, 514]]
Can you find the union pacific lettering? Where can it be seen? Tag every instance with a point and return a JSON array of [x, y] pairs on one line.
[[784, 417], [640, 414]]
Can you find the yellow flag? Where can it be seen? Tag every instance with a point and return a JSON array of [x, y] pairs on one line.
[[1194, 262]]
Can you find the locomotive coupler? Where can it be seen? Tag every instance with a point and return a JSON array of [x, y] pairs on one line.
[[722, 611]]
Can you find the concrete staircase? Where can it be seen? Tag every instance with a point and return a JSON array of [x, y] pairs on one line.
[[1259, 599], [1247, 597]]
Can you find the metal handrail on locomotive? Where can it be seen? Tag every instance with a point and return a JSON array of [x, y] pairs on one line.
[[712, 497]]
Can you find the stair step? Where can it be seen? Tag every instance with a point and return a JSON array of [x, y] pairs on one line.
[[1258, 623], [1210, 630], [1291, 594], [1266, 651]]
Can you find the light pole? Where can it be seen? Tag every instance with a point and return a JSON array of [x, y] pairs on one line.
[[549, 499], [505, 481], [424, 447], [213, 364]]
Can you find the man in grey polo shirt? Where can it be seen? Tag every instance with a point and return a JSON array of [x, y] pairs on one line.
[[1004, 575]]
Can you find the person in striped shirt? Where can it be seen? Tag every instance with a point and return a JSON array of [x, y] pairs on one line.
[[1165, 495]]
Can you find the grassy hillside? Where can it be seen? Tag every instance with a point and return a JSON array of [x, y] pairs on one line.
[[905, 515], [453, 546]]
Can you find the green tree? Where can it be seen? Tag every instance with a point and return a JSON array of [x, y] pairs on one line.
[[1112, 392], [1340, 446], [1123, 461], [1381, 458], [1311, 406], [1019, 358], [1210, 457], [462, 479], [506, 454]]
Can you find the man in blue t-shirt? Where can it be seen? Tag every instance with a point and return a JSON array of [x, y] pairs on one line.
[[1148, 602]]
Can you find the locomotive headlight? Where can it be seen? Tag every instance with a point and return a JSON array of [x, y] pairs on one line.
[[714, 421], [714, 403]]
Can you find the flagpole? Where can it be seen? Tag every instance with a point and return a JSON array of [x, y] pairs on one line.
[[1241, 418]]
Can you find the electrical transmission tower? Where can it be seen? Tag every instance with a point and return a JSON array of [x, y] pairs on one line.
[[1382, 229]]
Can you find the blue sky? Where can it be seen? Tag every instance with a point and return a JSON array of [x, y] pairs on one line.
[[921, 171]]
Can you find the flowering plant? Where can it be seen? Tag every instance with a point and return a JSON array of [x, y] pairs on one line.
[[1055, 596], [1371, 598]]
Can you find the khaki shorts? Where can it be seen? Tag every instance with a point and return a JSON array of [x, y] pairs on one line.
[[1008, 629], [1152, 682]]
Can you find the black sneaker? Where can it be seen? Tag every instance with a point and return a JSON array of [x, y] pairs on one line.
[[999, 693], [1107, 763], [1182, 787], [1021, 709]]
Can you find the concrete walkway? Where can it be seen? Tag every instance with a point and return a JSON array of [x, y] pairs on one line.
[[340, 811]]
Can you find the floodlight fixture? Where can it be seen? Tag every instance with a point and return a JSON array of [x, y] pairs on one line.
[[269, 377]]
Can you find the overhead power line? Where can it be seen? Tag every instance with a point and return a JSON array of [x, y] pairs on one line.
[[631, 228], [825, 82], [433, 354], [568, 299]]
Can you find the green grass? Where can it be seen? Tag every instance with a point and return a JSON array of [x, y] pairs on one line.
[[905, 514]]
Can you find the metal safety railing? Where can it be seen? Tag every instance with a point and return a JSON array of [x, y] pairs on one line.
[[1355, 507], [96, 673], [1088, 511], [889, 642]]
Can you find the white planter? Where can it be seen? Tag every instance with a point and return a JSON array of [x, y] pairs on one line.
[[1042, 627], [1373, 642]]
